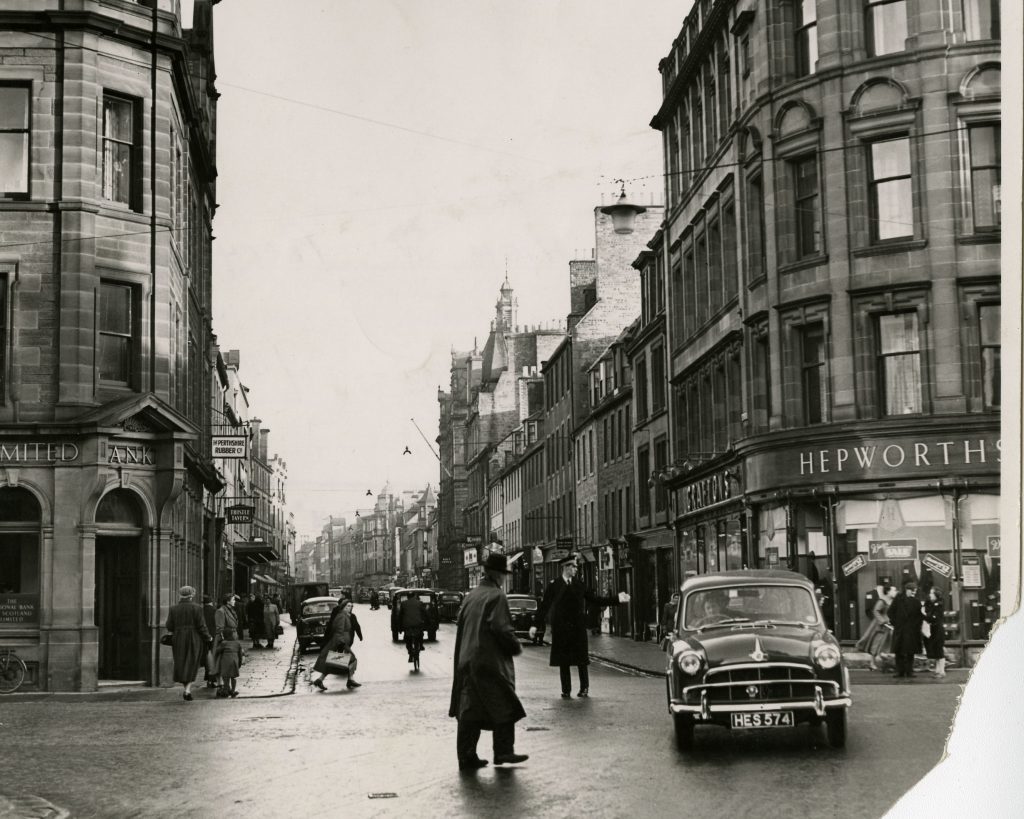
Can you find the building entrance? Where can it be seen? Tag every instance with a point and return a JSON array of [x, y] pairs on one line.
[[118, 608]]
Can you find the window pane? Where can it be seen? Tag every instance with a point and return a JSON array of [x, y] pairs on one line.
[[898, 333], [113, 358], [986, 198], [981, 19], [115, 309], [13, 163], [13, 109], [806, 178], [984, 146], [888, 27], [989, 319], [894, 208], [902, 385], [890, 158], [117, 120]]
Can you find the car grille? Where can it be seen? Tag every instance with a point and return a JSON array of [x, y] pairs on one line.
[[763, 682]]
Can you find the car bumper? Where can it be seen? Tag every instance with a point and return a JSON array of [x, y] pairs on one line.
[[711, 712]]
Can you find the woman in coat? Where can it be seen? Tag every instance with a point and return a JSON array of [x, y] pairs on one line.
[[254, 615], [271, 620], [338, 637], [935, 642], [189, 638], [873, 637]]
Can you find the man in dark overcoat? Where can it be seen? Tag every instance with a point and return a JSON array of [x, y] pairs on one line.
[[906, 616], [564, 607], [484, 683]]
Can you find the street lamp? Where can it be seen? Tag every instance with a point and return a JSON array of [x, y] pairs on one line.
[[623, 212]]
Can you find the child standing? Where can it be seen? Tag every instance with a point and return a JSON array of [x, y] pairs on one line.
[[229, 657]]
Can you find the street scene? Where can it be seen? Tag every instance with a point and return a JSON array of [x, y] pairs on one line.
[[558, 408]]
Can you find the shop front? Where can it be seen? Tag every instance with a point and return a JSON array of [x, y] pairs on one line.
[[854, 514]]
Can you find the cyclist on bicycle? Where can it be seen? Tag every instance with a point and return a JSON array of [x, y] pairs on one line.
[[413, 619]]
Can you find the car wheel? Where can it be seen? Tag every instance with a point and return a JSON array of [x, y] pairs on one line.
[[683, 724], [835, 727], [432, 636]]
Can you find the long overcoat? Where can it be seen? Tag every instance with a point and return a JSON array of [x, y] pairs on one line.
[[189, 637], [337, 638], [254, 617], [225, 619], [484, 679], [906, 617], [564, 607]]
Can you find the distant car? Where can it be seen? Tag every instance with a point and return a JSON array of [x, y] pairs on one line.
[[363, 596], [312, 621], [449, 603], [524, 609], [750, 650], [429, 597], [384, 596]]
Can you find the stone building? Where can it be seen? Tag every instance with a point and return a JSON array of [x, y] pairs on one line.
[[832, 258], [107, 193]]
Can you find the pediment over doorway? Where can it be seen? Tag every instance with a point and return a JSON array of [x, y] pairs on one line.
[[140, 413]]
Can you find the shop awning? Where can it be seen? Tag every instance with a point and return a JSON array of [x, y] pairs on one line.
[[513, 558], [264, 579], [255, 552]]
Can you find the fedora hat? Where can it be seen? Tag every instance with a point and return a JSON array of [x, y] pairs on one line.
[[496, 562]]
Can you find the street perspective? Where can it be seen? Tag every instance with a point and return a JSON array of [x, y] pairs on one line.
[[556, 408]]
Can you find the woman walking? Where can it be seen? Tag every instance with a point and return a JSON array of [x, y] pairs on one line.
[[271, 620], [935, 640], [189, 638], [873, 638], [254, 615], [338, 637]]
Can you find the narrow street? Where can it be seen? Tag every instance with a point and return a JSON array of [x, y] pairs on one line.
[[388, 748]]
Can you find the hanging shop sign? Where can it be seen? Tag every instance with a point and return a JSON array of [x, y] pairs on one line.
[[993, 546], [471, 556], [564, 542], [937, 565], [240, 514], [970, 567], [855, 565], [892, 549], [875, 458], [229, 446], [557, 554], [13, 452]]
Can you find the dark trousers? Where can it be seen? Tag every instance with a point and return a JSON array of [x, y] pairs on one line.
[[469, 734], [566, 676], [904, 664]]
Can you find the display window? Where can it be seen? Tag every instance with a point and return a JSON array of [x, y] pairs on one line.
[[980, 559]]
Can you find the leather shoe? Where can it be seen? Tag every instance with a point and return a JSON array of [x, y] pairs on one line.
[[320, 684], [352, 684], [583, 693], [566, 695], [472, 764], [510, 759]]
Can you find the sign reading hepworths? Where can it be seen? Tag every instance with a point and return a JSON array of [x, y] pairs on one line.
[[228, 446]]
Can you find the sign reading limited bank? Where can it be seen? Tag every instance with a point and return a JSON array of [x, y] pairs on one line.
[[873, 458]]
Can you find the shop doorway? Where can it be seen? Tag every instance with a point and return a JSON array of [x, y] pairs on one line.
[[118, 608]]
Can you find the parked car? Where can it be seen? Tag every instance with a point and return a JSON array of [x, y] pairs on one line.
[[524, 609], [750, 649], [429, 597], [312, 621], [384, 597], [449, 603], [363, 596], [296, 593]]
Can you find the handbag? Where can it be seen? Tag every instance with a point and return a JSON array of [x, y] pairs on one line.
[[166, 639], [338, 662], [279, 630]]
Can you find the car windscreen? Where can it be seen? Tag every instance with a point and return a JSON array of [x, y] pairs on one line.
[[753, 603], [526, 605], [426, 598], [313, 609]]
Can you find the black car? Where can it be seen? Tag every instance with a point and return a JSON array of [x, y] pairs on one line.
[[449, 603], [312, 620], [524, 609], [429, 597], [750, 649]]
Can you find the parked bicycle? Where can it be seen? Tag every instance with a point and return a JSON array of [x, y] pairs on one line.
[[12, 671]]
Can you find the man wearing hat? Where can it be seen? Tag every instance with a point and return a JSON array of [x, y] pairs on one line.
[[564, 606], [484, 684]]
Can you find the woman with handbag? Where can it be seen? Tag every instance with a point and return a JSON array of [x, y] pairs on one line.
[[189, 638], [934, 630], [338, 637]]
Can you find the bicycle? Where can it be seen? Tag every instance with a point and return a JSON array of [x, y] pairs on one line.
[[415, 647], [12, 671]]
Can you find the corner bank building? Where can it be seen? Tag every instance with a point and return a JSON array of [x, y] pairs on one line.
[[107, 116]]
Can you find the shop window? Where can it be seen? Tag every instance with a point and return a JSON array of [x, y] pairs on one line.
[[122, 151], [985, 177], [981, 19], [118, 333], [891, 195], [813, 376], [806, 37], [989, 330], [899, 364], [19, 557], [806, 206], [15, 122], [886, 26]]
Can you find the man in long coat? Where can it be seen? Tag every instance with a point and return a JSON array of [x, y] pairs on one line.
[[564, 607], [484, 683], [906, 616]]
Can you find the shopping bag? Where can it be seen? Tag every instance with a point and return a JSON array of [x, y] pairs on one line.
[[338, 662]]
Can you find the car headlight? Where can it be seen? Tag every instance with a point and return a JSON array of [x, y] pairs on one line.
[[827, 656], [689, 662]]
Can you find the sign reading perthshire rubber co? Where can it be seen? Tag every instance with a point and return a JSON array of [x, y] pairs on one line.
[[875, 458], [228, 446]]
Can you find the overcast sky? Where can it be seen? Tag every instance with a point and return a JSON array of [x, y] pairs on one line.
[[380, 163]]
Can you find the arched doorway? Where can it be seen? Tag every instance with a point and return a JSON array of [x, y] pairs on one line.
[[118, 606]]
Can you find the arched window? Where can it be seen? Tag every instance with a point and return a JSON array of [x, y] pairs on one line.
[[19, 556]]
